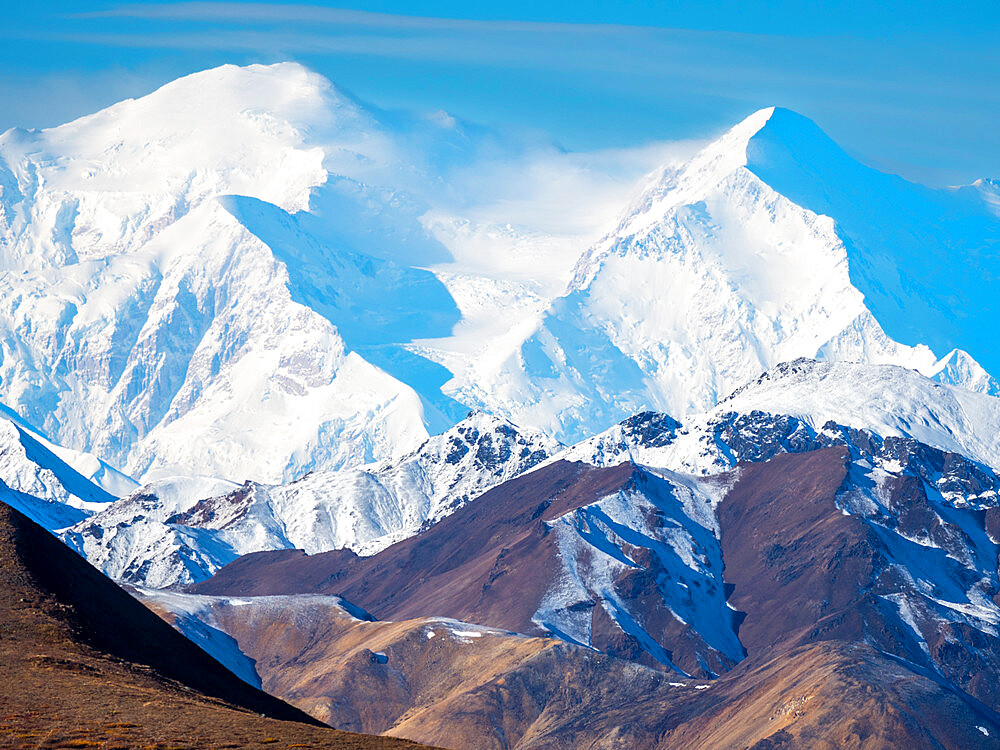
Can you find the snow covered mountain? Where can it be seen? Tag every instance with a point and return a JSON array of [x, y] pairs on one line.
[[762, 248], [818, 535], [226, 277], [248, 274], [182, 530], [169, 305], [179, 531]]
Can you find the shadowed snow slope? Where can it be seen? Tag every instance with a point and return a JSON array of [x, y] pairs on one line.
[[924, 259], [51, 485]]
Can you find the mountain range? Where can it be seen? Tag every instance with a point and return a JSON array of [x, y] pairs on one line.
[[715, 462], [139, 242]]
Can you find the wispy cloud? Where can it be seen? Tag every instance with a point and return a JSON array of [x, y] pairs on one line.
[[249, 13]]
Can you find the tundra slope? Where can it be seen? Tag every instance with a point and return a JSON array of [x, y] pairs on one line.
[[85, 665]]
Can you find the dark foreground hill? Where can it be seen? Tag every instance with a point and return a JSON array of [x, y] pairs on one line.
[[85, 665]]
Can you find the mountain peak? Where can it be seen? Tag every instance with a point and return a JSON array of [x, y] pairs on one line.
[[255, 130], [773, 128], [287, 90], [790, 144]]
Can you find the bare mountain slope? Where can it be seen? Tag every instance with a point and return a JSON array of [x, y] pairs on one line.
[[835, 587], [85, 663]]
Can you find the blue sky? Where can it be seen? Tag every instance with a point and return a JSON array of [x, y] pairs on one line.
[[912, 88]]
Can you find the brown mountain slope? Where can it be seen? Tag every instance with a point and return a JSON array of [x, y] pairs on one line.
[[835, 636], [496, 561], [402, 678], [805, 572], [85, 665], [490, 562], [460, 686], [828, 696]]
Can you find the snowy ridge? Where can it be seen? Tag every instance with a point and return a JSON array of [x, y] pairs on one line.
[[175, 533], [36, 480], [131, 540], [368, 508], [181, 531], [885, 400]]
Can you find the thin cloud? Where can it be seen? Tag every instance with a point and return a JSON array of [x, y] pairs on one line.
[[313, 14], [695, 62]]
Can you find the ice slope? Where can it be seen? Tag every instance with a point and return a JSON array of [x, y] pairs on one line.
[[77, 471], [714, 275], [183, 530]]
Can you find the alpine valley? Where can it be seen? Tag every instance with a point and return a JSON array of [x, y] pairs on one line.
[[461, 439]]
